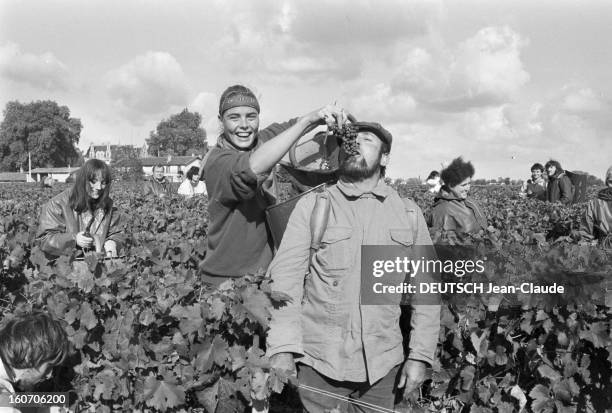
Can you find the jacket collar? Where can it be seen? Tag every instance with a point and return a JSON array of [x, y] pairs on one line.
[[381, 190], [605, 194], [447, 195], [5, 378]]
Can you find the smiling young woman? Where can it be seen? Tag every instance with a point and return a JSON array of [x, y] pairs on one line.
[[236, 171]]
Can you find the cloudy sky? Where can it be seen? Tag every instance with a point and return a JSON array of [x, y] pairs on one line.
[[503, 83]]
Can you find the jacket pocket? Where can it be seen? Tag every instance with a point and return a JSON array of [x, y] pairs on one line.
[[335, 251], [403, 237]]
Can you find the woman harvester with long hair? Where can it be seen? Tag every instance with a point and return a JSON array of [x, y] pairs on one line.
[[82, 218]]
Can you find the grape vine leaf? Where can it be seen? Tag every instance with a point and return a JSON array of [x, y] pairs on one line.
[[480, 343], [519, 395], [146, 317], [566, 389], [480, 409], [467, 377], [542, 402], [220, 350], [209, 397], [87, 316], [237, 356], [596, 333], [82, 277], [257, 304], [162, 395], [561, 408], [505, 407], [217, 308], [104, 384], [203, 360], [550, 373], [190, 318]]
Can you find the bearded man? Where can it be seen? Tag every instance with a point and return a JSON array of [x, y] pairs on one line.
[[338, 344]]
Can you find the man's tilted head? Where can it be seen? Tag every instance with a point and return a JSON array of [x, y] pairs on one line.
[[31, 345]]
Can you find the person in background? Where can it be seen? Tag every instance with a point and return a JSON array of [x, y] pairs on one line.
[[192, 185], [452, 209], [535, 187], [82, 217], [559, 187], [158, 185], [30, 347], [596, 223], [238, 171], [342, 346], [47, 182], [433, 182]]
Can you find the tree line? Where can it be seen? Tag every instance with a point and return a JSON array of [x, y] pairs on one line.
[[45, 132]]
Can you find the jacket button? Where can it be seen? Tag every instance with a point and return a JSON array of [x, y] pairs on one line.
[[336, 283]]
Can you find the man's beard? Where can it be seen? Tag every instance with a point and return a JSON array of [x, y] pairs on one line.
[[357, 169]]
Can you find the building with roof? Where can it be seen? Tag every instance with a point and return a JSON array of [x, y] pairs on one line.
[[57, 174], [13, 177], [175, 167], [108, 152]]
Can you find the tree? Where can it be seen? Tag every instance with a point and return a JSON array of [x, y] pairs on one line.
[[42, 128], [181, 134], [123, 152], [128, 169]]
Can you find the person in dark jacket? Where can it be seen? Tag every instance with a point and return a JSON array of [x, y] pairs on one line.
[[452, 209], [596, 222], [158, 185], [237, 171], [559, 187], [83, 216], [535, 187]]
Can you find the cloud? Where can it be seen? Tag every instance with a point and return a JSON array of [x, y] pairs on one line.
[[577, 113], [484, 70], [380, 104], [151, 84], [41, 71], [310, 42], [489, 64], [359, 22], [582, 100], [207, 105]]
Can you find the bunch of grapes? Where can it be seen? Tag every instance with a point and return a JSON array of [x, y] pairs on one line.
[[347, 134]]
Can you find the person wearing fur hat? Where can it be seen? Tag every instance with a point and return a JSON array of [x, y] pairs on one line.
[[452, 209], [237, 171], [597, 219], [559, 187]]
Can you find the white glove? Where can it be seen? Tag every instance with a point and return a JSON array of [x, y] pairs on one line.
[[110, 247], [83, 241]]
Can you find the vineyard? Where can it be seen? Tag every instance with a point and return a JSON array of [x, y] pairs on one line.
[[148, 335]]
